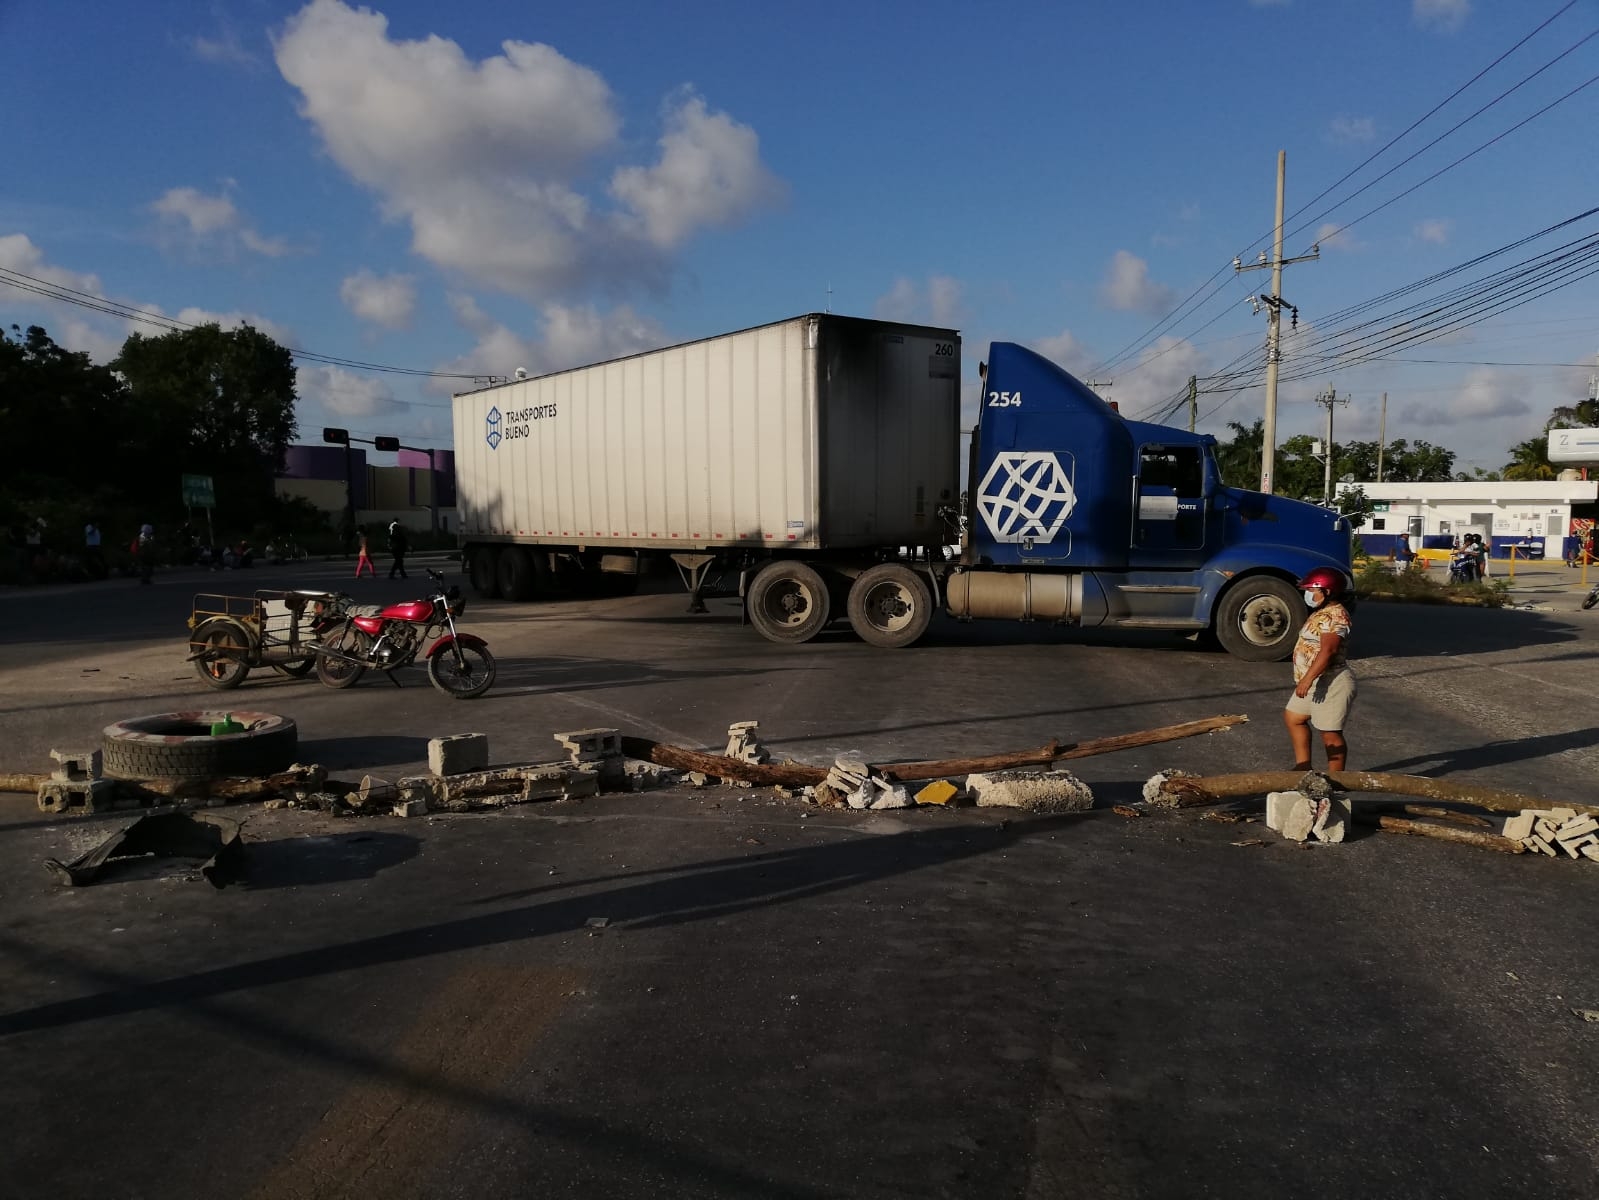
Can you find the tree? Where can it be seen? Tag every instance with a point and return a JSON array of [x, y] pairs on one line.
[[212, 402], [1530, 460], [1238, 460]]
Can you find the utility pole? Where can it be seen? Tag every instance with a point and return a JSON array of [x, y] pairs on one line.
[[1382, 434], [1193, 402], [1274, 304], [1328, 399]]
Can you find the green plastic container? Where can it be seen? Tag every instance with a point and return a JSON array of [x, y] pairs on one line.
[[226, 725]]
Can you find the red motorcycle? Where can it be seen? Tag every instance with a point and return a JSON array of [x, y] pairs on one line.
[[386, 639]]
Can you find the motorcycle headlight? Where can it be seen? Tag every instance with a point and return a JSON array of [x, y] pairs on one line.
[[454, 601]]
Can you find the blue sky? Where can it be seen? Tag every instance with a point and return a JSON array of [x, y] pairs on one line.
[[479, 187]]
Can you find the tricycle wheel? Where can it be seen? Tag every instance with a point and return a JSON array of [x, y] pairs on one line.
[[221, 663], [298, 668]]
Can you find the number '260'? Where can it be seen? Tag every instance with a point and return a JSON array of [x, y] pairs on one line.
[[1004, 399]]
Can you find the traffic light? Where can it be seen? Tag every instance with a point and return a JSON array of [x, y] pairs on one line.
[[386, 443], [339, 437]]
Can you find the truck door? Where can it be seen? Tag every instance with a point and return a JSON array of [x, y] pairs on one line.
[[1169, 506]]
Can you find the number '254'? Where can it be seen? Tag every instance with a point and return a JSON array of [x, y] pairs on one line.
[[1004, 399]]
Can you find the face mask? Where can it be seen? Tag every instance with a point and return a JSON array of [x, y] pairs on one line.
[[1313, 598]]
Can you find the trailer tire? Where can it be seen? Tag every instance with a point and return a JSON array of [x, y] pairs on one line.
[[180, 746], [890, 606], [1259, 618], [515, 575], [788, 602], [482, 564]]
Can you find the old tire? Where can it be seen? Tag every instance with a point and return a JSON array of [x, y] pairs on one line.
[[1259, 618], [514, 574], [788, 602], [227, 645], [890, 606], [180, 746], [482, 571]]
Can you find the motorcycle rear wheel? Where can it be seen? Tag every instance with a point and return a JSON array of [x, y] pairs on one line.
[[336, 672], [466, 680]]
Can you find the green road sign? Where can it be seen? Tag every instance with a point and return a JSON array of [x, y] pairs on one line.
[[197, 492]]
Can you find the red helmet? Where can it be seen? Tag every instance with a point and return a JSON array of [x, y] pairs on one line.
[[1328, 579]]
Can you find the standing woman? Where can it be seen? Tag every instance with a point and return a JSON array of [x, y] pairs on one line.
[[363, 559], [1324, 686]]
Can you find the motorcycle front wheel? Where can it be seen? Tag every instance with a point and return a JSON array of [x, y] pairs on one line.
[[465, 679], [336, 672], [1593, 598]]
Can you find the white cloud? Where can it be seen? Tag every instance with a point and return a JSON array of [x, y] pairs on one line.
[[201, 222], [345, 393], [1445, 15], [1146, 390], [388, 300], [226, 48], [569, 336], [1127, 287], [936, 303], [709, 173], [67, 324], [1434, 230], [484, 159], [1333, 236], [1351, 130], [232, 320], [1486, 394], [1066, 351]]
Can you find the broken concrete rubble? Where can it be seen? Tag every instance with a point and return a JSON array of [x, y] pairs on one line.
[[458, 754], [1037, 791]]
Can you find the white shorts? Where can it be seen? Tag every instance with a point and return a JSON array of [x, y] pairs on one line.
[[1328, 703]]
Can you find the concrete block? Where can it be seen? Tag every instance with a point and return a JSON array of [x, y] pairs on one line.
[[1279, 805], [1334, 815], [940, 791], [1572, 849], [1300, 821], [581, 783], [1561, 815], [1037, 791], [1574, 830], [591, 745], [1591, 851], [1519, 827], [411, 808], [459, 754], [862, 796], [77, 766], [895, 795], [1544, 827], [852, 766], [78, 795], [1541, 844]]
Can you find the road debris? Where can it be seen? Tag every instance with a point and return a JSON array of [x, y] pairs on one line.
[[1551, 831], [458, 754], [1179, 789], [1036, 791], [1591, 1015], [207, 836], [1127, 810]]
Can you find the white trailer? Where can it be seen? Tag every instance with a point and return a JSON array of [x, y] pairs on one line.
[[822, 435]]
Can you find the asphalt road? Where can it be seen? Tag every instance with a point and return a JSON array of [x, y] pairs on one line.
[[792, 1002]]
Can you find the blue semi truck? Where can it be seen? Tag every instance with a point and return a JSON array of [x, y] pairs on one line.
[[818, 457]]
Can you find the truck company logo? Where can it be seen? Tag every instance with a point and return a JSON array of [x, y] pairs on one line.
[[1025, 495], [492, 437]]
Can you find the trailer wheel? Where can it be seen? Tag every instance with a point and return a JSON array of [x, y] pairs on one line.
[[514, 574], [481, 569], [890, 606], [1259, 617], [788, 602]]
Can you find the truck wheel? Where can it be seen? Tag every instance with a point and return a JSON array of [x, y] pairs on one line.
[[788, 602], [514, 574], [1259, 618], [890, 606], [481, 569]]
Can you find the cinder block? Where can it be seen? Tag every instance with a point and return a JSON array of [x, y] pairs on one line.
[[77, 766], [1574, 830], [1591, 851], [591, 745], [940, 791], [77, 795], [1519, 827], [459, 754], [1333, 818], [1561, 815], [1038, 791], [1541, 844], [411, 808], [1279, 805], [1546, 828], [581, 783]]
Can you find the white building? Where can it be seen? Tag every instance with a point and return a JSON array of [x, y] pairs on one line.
[[1540, 513]]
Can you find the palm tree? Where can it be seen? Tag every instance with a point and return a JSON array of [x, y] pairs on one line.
[[1529, 460]]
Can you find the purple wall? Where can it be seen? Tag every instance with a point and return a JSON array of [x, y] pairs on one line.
[[326, 462], [445, 459]]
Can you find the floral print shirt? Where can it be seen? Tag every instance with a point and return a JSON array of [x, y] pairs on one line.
[[1331, 617]]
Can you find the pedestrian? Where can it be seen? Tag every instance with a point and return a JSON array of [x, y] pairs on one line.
[[93, 560], [1324, 686], [143, 550], [365, 559], [398, 545], [1404, 553]]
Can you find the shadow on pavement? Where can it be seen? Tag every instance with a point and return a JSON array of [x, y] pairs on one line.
[[1492, 754], [362, 751], [336, 858]]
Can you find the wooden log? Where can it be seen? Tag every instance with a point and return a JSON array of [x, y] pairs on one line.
[[1208, 789], [1442, 833], [237, 790], [22, 782], [1442, 814], [791, 774]]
